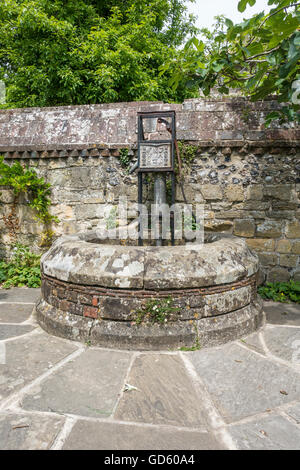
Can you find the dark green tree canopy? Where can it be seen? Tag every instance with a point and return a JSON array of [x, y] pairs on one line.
[[62, 52]]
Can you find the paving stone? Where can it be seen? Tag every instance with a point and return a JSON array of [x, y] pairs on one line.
[[87, 386], [29, 357], [284, 342], [102, 436], [294, 412], [14, 313], [282, 313], [20, 294], [242, 383], [253, 342], [165, 393], [28, 432], [271, 433], [9, 331]]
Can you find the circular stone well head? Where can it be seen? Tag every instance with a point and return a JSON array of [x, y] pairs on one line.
[[143, 297]]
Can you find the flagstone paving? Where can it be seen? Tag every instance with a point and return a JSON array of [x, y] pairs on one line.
[[119, 436], [58, 394], [15, 313], [10, 331]]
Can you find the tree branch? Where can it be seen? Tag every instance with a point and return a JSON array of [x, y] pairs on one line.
[[277, 11], [262, 54]]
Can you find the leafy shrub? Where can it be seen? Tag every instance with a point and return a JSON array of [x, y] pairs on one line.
[[281, 291], [23, 269]]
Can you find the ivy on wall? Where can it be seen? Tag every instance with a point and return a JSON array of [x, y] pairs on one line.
[[26, 181]]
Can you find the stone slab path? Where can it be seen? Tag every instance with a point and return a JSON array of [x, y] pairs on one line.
[[58, 394]]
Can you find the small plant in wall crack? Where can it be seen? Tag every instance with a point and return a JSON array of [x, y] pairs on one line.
[[46, 238], [196, 345], [188, 154], [125, 159], [156, 311], [111, 220]]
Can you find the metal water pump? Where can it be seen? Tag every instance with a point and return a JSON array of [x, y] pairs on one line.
[[156, 154]]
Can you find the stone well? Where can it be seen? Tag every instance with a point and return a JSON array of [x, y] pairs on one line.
[[100, 293]]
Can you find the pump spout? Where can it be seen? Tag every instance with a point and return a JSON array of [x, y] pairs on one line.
[[133, 168]]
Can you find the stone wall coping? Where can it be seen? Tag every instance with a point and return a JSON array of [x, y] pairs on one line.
[[137, 104], [221, 121]]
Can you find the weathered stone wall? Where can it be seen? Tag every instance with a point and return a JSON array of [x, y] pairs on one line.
[[247, 177]]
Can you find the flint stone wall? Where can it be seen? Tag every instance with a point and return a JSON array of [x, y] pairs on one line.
[[247, 176]]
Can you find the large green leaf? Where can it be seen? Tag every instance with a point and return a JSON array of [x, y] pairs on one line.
[[243, 4]]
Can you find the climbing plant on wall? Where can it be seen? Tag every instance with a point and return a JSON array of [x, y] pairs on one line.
[[25, 181]]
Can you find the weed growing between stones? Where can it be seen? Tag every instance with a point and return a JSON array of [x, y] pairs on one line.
[[187, 154], [192, 348], [197, 344], [46, 238], [23, 269], [111, 221], [125, 159], [156, 311]]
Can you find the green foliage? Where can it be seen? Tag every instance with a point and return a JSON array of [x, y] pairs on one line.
[[111, 220], [169, 190], [26, 181], [196, 346], [187, 153], [244, 3], [190, 222], [81, 52], [23, 269], [46, 238], [125, 159], [192, 348], [259, 56], [157, 311], [281, 291]]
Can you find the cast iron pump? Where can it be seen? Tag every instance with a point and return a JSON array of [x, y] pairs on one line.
[[156, 154]]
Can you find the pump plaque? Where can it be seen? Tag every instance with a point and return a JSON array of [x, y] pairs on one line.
[[155, 156]]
